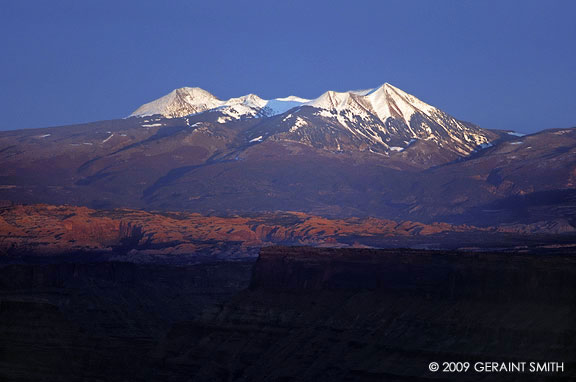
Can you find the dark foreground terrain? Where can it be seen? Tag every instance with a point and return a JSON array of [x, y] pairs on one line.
[[296, 314]]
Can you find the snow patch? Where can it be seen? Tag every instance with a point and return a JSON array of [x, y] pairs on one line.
[[562, 132], [298, 124], [324, 113]]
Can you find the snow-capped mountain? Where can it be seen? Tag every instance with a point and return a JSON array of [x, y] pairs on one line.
[[383, 119], [377, 152], [186, 101]]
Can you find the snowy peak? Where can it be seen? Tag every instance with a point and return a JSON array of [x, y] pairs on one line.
[[384, 102], [384, 120], [332, 100], [250, 100], [389, 101], [192, 100], [180, 102], [194, 94]]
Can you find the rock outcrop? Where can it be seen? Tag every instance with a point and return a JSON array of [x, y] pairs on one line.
[[136, 235]]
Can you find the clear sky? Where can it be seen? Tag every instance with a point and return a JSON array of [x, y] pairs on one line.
[[499, 64]]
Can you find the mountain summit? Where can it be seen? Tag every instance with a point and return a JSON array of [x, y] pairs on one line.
[[384, 101], [186, 101], [180, 102]]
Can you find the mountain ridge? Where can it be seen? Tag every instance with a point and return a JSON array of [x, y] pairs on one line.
[[186, 101]]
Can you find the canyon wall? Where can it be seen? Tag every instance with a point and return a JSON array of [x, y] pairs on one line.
[[296, 314], [100, 321], [382, 315]]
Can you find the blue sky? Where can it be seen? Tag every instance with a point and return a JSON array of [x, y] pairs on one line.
[[500, 64]]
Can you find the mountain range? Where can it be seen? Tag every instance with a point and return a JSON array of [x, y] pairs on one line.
[[378, 152], [383, 119]]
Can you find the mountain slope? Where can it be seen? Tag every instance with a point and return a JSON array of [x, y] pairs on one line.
[[167, 164], [377, 152]]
